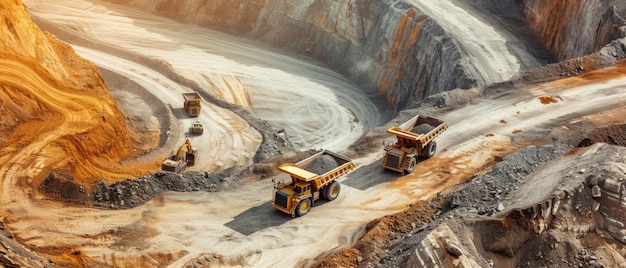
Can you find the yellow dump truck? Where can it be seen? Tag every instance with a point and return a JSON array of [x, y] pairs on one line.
[[402, 156], [192, 103], [297, 197], [184, 157]]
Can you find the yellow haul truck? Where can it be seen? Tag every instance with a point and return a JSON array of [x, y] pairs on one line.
[[192, 103], [402, 156], [306, 187]]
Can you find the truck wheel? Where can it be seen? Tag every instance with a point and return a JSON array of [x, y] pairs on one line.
[[332, 191], [303, 207], [429, 150], [411, 166], [324, 194]]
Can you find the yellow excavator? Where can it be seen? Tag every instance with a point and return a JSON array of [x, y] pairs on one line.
[[186, 156]]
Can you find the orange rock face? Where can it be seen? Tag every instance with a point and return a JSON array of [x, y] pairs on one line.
[[572, 28], [54, 105]]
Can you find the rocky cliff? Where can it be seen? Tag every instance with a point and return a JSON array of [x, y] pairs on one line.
[[49, 93], [569, 221], [568, 29], [231, 16], [389, 46], [55, 112], [573, 28], [13, 254]]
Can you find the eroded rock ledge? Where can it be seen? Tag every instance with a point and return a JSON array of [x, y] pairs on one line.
[[387, 47], [567, 221], [391, 47]]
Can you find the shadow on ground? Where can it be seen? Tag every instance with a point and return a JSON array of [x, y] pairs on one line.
[[258, 218], [370, 175], [265, 216]]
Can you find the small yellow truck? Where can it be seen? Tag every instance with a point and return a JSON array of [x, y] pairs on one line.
[[192, 103], [196, 128], [297, 198], [402, 156]]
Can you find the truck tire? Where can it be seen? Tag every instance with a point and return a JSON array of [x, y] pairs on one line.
[[324, 194], [332, 191], [411, 166], [429, 150], [303, 207]]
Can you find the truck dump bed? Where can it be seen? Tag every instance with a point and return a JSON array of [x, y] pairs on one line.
[[298, 170], [418, 140], [191, 96], [192, 103]]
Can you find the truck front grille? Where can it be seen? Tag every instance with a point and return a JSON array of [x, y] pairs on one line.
[[392, 161], [281, 199]]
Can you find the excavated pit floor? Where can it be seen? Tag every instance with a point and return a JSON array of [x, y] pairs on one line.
[[238, 227]]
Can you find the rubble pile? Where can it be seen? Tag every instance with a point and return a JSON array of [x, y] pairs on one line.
[[61, 185], [564, 214], [613, 134], [484, 194], [609, 193], [134, 192], [323, 164]]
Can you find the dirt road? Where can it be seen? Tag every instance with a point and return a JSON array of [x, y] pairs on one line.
[[227, 140], [238, 226], [238, 71]]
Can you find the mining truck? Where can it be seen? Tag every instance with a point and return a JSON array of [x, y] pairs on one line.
[[297, 198], [402, 156], [192, 103], [186, 156], [196, 127]]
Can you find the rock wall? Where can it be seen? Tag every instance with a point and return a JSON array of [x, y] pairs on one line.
[[13, 254], [573, 28], [441, 248], [387, 47], [569, 29], [44, 87], [569, 213], [609, 192], [231, 16]]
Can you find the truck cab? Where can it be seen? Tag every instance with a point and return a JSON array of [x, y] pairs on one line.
[[302, 189]]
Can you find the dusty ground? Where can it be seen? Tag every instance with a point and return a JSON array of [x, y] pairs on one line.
[[237, 226], [388, 241]]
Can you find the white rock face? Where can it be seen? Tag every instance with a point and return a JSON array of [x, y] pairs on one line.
[[407, 49]]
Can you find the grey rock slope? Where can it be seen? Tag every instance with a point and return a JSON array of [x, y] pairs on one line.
[[562, 214]]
